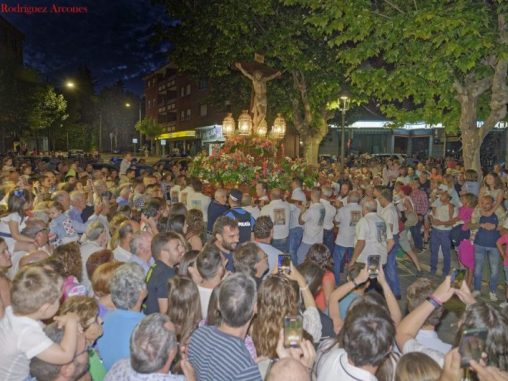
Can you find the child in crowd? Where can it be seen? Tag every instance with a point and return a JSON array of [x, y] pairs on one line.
[[60, 227], [87, 310], [461, 232], [14, 221], [69, 257], [36, 293]]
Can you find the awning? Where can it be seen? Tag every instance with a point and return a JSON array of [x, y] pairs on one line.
[[189, 134]]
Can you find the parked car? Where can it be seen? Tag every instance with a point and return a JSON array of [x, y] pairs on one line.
[[167, 163]]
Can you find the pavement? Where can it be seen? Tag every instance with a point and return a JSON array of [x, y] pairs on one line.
[[454, 308]]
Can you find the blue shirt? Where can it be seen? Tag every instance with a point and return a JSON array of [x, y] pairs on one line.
[[215, 210], [484, 237], [113, 345], [215, 355], [345, 302]]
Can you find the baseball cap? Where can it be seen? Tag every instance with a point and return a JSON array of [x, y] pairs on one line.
[[235, 195]]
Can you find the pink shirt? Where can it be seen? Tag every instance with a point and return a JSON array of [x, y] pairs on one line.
[[465, 214], [504, 241]]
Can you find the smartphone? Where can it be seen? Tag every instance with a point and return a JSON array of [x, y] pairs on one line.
[[373, 265], [284, 263], [472, 345], [293, 331], [457, 277]]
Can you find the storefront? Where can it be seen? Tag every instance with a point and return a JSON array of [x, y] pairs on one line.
[[210, 137], [179, 143]]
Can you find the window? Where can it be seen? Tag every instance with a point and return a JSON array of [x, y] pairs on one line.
[[149, 103], [182, 115], [182, 91], [171, 107], [188, 90], [188, 113], [203, 110], [203, 84]]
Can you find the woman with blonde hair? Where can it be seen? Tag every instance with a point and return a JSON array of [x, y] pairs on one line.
[[417, 366], [184, 307], [277, 298]]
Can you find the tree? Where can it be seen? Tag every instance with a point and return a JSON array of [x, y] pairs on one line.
[[424, 60], [210, 36], [150, 128], [49, 112]]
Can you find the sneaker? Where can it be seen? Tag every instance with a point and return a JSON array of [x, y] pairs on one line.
[[493, 296], [476, 293]]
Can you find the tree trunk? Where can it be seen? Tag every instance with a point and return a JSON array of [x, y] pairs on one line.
[[311, 147], [471, 149]]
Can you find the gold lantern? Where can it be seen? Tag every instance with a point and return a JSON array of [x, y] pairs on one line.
[[228, 126], [279, 127], [262, 129], [244, 123]]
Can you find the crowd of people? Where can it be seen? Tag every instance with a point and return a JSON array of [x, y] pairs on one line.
[[117, 275]]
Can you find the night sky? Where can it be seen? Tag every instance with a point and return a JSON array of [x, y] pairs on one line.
[[114, 39]]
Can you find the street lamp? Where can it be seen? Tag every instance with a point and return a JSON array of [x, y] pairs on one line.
[[344, 103], [128, 105], [70, 85]]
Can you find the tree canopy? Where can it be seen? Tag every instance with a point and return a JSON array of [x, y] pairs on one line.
[[210, 36], [437, 61]]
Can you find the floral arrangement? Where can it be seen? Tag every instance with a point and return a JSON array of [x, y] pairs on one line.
[[244, 160]]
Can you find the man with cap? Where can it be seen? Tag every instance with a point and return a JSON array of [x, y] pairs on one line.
[[245, 220]]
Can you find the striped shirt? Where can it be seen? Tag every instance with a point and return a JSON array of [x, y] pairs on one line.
[[215, 355]]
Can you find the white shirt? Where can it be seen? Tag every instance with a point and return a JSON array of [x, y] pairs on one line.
[[414, 346], [347, 217], [175, 193], [279, 212], [204, 297], [272, 253], [431, 340], [375, 232], [21, 339], [197, 200], [6, 232], [313, 219], [253, 210], [184, 195], [121, 255], [391, 216], [330, 212], [334, 365], [298, 195]]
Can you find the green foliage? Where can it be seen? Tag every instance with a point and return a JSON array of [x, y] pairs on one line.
[[49, 111], [408, 54], [149, 127], [210, 36]]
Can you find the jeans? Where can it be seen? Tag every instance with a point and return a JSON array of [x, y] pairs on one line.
[[341, 255], [295, 238], [480, 253], [281, 244], [328, 239], [440, 238], [390, 268], [302, 252], [416, 233]]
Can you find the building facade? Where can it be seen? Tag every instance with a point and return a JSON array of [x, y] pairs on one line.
[[181, 105], [11, 43]]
